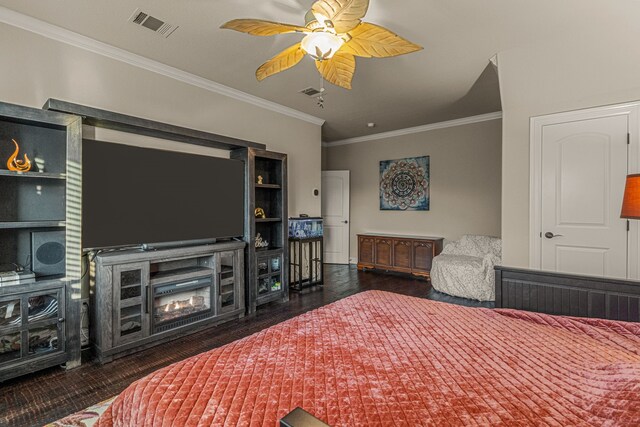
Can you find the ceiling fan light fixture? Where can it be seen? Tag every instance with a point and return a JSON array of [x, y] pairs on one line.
[[334, 35], [321, 45]]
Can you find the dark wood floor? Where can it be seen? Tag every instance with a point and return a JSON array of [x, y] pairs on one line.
[[54, 393]]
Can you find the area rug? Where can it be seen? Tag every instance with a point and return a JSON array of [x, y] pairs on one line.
[[84, 418]]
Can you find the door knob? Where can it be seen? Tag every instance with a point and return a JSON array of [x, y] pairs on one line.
[[345, 222], [550, 235]]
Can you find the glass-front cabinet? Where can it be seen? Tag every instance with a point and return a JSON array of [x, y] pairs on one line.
[[130, 308], [228, 286], [269, 274], [31, 325]]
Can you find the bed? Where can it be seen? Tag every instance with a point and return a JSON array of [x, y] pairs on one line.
[[380, 359]]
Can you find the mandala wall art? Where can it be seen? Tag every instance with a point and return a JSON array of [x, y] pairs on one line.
[[404, 184]]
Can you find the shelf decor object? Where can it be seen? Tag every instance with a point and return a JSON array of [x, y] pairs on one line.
[[13, 164], [267, 275], [260, 242], [40, 311]]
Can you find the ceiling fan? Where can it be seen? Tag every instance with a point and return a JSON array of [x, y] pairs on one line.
[[334, 36]]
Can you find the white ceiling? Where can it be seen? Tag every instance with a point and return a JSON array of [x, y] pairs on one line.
[[451, 78]]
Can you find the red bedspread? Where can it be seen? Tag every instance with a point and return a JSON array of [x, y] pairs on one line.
[[384, 359]]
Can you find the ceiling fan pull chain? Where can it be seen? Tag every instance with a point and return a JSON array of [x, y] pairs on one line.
[[321, 97]]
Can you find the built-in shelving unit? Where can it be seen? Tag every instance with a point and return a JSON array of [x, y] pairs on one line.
[[40, 319], [266, 275]]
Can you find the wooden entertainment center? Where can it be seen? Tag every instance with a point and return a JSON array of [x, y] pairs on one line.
[[138, 298]]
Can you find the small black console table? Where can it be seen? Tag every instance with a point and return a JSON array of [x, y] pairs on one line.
[[306, 262]]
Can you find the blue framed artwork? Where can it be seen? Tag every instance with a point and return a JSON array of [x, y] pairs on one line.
[[404, 184]]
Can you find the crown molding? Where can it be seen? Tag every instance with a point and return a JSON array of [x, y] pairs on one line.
[[45, 29], [418, 129]]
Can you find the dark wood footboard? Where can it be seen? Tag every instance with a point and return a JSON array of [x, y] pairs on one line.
[[568, 295]]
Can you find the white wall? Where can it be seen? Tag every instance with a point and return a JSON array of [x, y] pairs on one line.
[[35, 68], [465, 182], [583, 69]]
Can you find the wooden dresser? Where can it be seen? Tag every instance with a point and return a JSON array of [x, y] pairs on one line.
[[404, 254]]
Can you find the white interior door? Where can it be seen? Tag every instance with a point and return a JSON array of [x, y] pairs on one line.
[[584, 164], [335, 213]]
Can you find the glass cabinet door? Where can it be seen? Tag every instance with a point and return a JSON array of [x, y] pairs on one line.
[[10, 346], [227, 277], [130, 320], [269, 274], [31, 325], [10, 329], [10, 312], [43, 312]]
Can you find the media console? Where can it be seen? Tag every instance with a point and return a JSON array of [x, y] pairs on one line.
[[143, 298]]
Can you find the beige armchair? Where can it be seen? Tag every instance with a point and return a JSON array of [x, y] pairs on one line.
[[465, 268]]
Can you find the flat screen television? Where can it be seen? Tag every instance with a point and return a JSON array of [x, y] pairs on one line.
[[134, 196]]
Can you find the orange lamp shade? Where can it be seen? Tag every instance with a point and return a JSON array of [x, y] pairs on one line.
[[631, 203]]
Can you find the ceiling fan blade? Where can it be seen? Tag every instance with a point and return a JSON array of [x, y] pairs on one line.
[[338, 70], [344, 15], [282, 61], [258, 27], [370, 40]]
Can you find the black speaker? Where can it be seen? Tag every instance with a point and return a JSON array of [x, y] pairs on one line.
[[47, 252]]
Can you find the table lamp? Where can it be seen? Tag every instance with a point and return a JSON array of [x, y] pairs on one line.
[[631, 202]]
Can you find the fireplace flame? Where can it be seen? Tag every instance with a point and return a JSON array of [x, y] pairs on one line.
[[180, 305], [13, 164]]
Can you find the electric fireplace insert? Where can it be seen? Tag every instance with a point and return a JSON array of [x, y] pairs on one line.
[[180, 303]]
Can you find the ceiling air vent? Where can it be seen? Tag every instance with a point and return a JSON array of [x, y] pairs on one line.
[[311, 92], [152, 23]]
